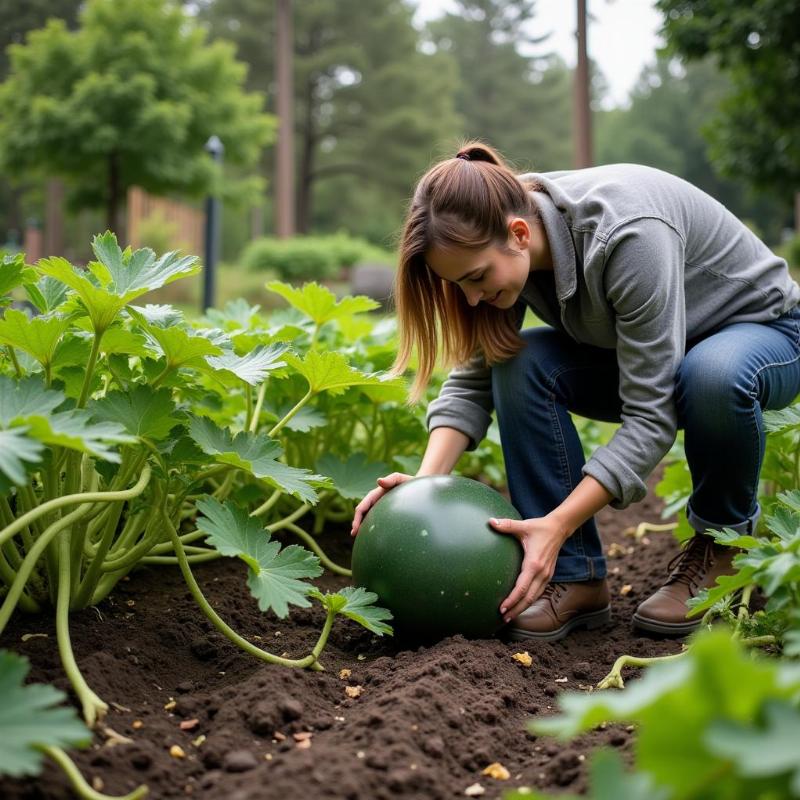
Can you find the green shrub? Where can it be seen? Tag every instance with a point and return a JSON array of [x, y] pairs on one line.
[[310, 257]]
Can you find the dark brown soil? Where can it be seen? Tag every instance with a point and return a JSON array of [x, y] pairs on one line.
[[427, 723]]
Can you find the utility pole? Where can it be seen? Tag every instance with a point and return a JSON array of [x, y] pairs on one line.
[[582, 96], [215, 149], [284, 151]]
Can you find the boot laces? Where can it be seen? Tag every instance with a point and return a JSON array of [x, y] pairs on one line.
[[690, 565], [552, 593]]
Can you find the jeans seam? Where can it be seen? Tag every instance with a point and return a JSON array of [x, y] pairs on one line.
[[551, 380], [752, 393]]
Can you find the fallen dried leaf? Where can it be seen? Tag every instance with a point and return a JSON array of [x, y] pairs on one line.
[[475, 790], [176, 751], [344, 674], [497, 771], [626, 589], [523, 658], [353, 691], [189, 724]]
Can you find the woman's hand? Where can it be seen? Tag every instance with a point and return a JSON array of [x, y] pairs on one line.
[[384, 485], [541, 539]]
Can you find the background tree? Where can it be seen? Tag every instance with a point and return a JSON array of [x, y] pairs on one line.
[[370, 106], [662, 127], [519, 102], [756, 134], [17, 17], [129, 98]]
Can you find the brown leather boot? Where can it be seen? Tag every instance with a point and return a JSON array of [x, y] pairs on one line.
[[561, 608], [696, 567]]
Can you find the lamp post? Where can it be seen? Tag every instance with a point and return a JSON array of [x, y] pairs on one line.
[[215, 149]]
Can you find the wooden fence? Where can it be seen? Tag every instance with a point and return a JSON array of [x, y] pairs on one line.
[[175, 225]]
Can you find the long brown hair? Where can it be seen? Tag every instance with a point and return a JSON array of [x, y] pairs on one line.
[[461, 202]]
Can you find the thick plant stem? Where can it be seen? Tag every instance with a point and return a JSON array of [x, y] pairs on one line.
[[87, 381], [300, 403], [94, 708], [311, 542], [614, 678], [32, 557], [78, 782], [191, 558], [222, 627], [268, 503], [262, 391], [74, 499], [13, 358]]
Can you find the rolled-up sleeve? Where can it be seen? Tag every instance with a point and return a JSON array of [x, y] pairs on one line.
[[644, 284], [465, 401]]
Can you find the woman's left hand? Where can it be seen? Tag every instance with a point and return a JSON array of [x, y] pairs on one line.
[[541, 539]]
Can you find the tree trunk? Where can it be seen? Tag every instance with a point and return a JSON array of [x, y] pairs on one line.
[[306, 180], [284, 152]]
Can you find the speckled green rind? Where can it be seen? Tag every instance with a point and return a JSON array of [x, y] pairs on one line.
[[427, 550]]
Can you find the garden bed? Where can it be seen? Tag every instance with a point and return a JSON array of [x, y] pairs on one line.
[[425, 724]]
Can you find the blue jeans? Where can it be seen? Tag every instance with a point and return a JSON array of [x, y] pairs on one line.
[[723, 383]]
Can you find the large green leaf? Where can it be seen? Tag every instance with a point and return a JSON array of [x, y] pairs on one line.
[[782, 419], [16, 447], [255, 453], [319, 303], [761, 751], [252, 367], [180, 348], [144, 412], [28, 397], [47, 294], [162, 316], [100, 304], [354, 477], [330, 372], [676, 703], [13, 273], [75, 430], [132, 274], [30, 716], [276, 577], [357, 604], [38, 336], [237, 314]]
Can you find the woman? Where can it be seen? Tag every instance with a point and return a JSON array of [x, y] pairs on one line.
[[663, 311]]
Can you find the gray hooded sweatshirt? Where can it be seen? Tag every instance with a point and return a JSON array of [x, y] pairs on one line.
[[642, 262]]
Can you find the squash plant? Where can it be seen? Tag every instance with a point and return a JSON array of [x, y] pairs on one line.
[[129, 435]]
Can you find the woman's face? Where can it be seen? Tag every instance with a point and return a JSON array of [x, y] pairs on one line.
[[492, 275]]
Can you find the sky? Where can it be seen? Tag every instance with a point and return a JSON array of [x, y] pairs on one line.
[[622, 36]]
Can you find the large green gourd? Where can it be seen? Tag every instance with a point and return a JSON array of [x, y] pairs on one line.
[[427, 550]]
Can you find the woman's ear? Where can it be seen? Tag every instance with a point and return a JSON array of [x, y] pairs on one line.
[[519, 232]]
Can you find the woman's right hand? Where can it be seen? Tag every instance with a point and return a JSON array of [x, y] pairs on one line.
[[384, 485]]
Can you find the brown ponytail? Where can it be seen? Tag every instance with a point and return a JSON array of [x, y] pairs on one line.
[[461, 202]]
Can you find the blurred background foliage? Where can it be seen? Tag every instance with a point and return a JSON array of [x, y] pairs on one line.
[[377, 98]]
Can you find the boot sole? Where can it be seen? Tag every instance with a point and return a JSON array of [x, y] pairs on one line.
[[665, 628], [590, 621]]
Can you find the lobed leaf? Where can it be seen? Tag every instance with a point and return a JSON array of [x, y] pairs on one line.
[[38, 336], [354, 477], [47, 294], [75, 430], [319, 303], [30, 717], [253, 367], [330, 372], [783, 419], [276, 575], [256, 453], [144, 412], [357, 604], [13, 273], [16, 448]]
